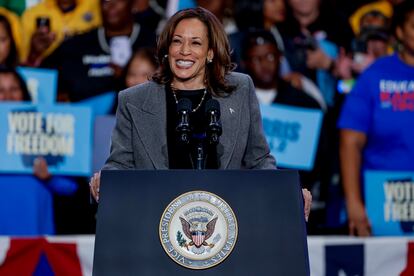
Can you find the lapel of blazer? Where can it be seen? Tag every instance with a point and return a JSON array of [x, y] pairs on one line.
[[230, 119], [149, 118]]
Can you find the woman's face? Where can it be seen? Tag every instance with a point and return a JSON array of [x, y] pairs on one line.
[[188, 53], [274, 10], [10, 89], [406, 34], [304, 7], [139, 71], [4, 44]]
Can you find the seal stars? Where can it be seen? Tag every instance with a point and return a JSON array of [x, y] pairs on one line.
[[198, 230]]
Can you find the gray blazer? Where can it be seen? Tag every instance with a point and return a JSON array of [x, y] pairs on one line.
[[139, 139]]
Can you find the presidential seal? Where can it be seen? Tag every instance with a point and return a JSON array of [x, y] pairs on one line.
[[198, 230]]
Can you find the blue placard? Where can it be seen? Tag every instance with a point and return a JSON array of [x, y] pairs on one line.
[[41, 83], [292, 134], [59, 133], [101, 104], [102, 140], [389, 201]]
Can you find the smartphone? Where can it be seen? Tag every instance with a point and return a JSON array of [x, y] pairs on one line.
[[43, 21]]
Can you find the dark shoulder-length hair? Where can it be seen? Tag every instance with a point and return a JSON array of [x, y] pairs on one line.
[[4, 70], [401, 15], [216, 70], [12, 58]]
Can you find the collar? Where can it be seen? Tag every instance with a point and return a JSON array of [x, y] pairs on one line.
[[266, 96]]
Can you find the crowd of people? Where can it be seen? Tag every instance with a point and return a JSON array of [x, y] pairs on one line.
[[347, 62]]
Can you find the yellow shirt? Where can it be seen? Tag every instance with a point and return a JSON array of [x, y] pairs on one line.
[[84, 17], [382, 6], [16, 28]]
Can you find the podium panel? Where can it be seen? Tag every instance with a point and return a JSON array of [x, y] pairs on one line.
[[267, 204]]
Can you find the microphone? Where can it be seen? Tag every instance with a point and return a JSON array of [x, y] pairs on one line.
[[214, 130], [183, 128]]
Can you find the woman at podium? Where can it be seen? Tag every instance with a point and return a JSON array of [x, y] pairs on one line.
[[195, 113]]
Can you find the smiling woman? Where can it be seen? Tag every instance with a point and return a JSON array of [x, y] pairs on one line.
[[189, 53], [195, 67], [196, 37]]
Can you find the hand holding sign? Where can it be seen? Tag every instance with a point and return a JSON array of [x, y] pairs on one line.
[[40, 169]]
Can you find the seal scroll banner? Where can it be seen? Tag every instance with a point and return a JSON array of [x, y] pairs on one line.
[[198, 230]]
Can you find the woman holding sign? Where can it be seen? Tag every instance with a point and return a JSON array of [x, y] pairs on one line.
[[195, 69], [26, 201], [377, 120]]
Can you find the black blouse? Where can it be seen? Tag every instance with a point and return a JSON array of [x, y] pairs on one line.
[[182, 156]]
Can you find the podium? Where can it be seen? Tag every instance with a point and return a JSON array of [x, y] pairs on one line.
[[267, 204]]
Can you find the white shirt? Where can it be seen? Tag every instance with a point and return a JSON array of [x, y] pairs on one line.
[[266, 96]]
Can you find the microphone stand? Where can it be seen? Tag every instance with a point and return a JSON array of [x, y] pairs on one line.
[[200, 156], [200, 164]]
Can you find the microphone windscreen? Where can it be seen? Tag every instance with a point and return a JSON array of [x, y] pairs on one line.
[[212, 105], [184, 104]]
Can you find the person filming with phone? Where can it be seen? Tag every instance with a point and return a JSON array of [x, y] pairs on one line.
[[47, 24]]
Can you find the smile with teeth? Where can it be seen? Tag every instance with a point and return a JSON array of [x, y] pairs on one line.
[[184, 63]]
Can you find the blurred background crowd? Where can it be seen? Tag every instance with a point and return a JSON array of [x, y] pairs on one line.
[[330, 55]]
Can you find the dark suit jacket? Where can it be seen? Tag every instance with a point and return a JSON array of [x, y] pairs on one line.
[[139, 139]]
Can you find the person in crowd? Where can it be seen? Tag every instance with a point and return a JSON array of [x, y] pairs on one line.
[[195, 65], [8, 51], [265, 14], [312, 41], [272, 14], [372, 43], [262, 62], [15, 29], [12, 86], [47, 24], [315, 32], [378, 110], [221, 10], [147, 13], [140, 67], [26, 201], [376, 13], [91, 64], [373, 40]]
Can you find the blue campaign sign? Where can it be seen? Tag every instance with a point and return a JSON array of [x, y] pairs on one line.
[[389, 201], [292, 134], [61, 134], [101, 104], [102, 140], [42, 84]]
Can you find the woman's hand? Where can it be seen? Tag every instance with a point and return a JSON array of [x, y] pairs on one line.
[[358, 222], [94, 184], [40, 169], [307, 197]]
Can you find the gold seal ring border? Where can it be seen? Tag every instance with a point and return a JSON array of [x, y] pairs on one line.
[[236, 231]]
